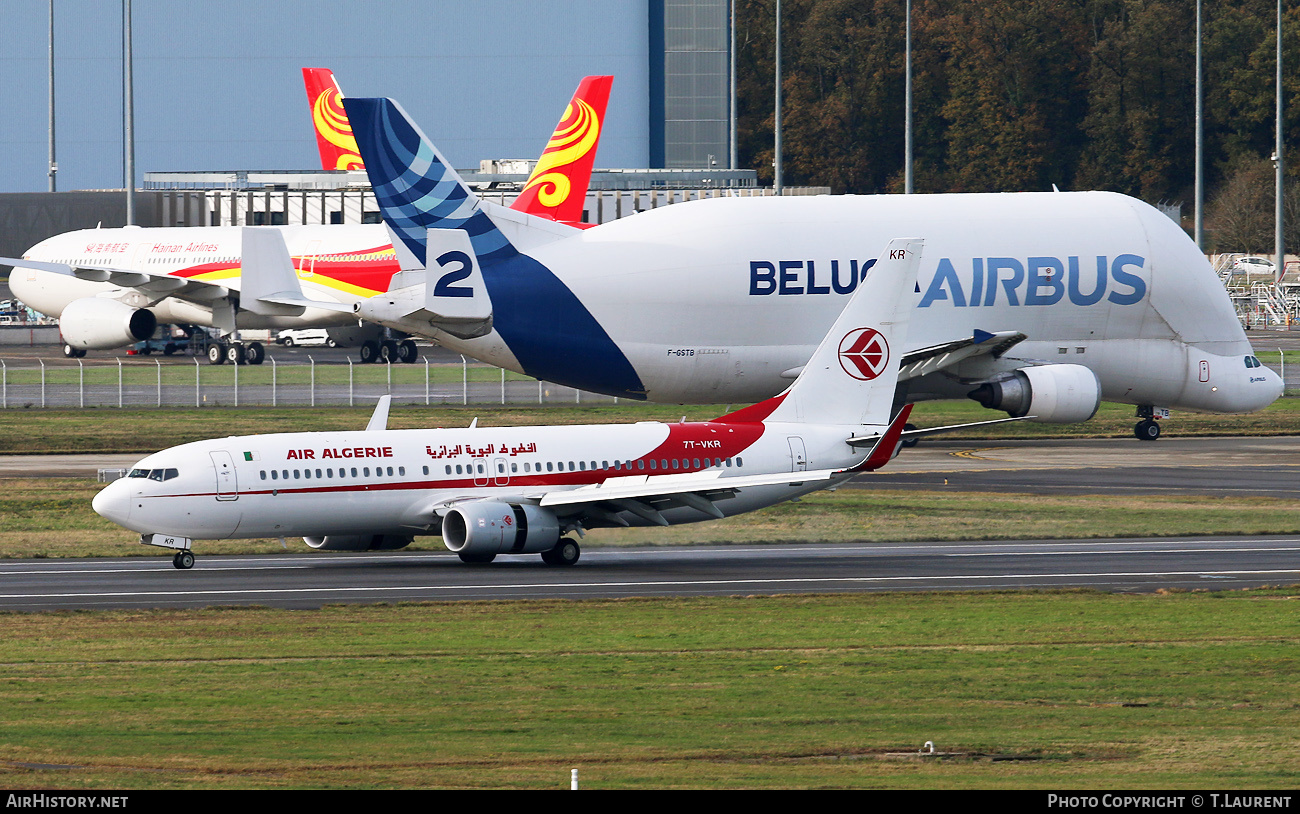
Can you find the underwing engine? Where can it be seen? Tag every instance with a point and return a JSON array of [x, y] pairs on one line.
[[1060, 394], [484, 528], [98, 323]]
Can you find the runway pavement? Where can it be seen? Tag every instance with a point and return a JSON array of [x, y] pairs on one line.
[[1201, 466], [309, 580]]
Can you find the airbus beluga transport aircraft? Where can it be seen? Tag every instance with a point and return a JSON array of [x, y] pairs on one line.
[[494, 491], [112, 287], [1032, 303]]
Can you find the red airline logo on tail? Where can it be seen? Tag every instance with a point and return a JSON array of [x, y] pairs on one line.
[[864, 353], [557, 189], [338, 148]]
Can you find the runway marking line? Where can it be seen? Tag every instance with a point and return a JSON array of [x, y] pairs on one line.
[[654, 584]]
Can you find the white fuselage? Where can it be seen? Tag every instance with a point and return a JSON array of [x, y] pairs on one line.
[[398, 481], [212, 255]]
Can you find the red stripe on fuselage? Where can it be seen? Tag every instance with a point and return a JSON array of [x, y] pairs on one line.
[[371, 269]]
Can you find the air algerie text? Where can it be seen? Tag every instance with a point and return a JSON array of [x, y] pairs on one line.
[[345, 452]]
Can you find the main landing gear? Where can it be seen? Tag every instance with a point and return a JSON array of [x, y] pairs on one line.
[[388, 352], [236, 353], [183, 560], [566, 552]]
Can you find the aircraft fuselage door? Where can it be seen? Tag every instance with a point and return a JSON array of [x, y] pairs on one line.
[[481, 477], [500, 472], [227, 483], [798, 456], [306, 264]]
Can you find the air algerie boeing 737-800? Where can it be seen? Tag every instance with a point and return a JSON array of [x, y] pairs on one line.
[[112, 287], [1032, 303], [491, 491]]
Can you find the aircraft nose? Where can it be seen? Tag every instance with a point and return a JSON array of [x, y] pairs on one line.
[[1273, 389], [1262, 387], [113, 503]]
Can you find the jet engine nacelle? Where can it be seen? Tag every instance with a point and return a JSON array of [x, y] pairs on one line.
[[358, 542], [494, 527], [1060, 394], [98, 323]]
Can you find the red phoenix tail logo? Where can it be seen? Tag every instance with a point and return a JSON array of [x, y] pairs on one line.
[[864, 353]]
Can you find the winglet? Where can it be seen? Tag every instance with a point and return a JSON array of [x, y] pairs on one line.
[[379, 419], [883, 452]]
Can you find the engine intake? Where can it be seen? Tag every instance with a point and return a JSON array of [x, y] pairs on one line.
[[358, 542], [98, 323], [494, 527], [1059, 394]]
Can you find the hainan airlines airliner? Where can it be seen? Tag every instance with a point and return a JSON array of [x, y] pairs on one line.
[[498, 491]]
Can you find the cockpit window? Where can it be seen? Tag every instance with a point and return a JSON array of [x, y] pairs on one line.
[[154, 474], [1251, 361]]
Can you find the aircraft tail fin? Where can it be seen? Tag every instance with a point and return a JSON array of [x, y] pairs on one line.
[[334, 139], [557, 187], [416, 187], [851, 377]]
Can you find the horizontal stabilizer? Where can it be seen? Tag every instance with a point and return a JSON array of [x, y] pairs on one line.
[[452, 298], [868, 440], [269, 280]]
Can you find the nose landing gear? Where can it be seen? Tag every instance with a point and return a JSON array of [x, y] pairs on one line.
[[1148, 428], [183, 559]]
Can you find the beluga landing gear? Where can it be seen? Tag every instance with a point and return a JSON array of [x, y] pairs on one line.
[[1148, 428]]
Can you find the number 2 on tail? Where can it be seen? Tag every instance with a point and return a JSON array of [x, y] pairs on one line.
[[444, 288]]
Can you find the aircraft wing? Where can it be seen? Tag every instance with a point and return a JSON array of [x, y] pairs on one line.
[[152, 285], [923, 361], [646, 496]]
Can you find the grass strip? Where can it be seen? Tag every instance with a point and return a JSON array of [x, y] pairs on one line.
[[34, 431], [1016, 690]]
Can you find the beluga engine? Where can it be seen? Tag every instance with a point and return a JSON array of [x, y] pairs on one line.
[[1059, 394]]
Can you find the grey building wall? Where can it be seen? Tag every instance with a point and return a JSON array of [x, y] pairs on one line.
[[690, 83], [27, 218]]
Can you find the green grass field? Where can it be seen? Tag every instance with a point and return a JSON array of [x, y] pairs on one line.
[[1062, 690], [31, 431]]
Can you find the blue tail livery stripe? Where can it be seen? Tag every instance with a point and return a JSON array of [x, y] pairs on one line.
[[549, 331], [414, 185], [554, 337]]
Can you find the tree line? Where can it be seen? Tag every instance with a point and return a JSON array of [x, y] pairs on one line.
[[1024, 95]]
